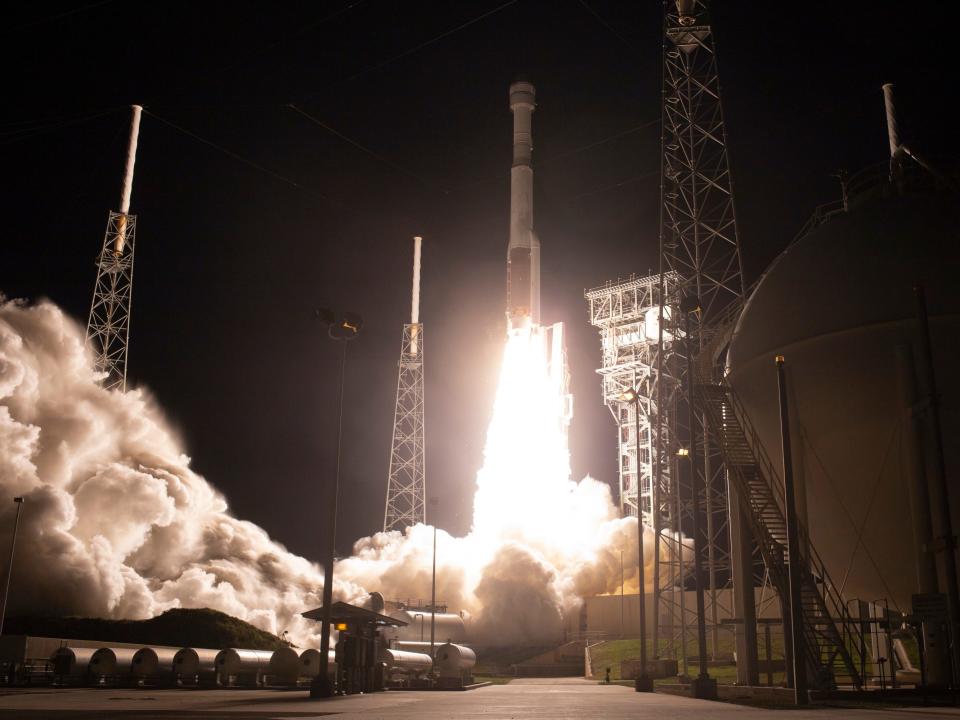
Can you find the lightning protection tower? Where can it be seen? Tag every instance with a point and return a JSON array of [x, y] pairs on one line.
[[108, 326], [699, 247], [406, 478]]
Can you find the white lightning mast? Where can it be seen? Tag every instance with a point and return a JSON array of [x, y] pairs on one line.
[[108, 327], [406, 478]]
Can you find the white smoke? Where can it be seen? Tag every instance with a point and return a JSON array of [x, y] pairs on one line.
[[117, 525]]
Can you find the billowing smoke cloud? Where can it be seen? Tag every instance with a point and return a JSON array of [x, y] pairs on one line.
[[116, 524]]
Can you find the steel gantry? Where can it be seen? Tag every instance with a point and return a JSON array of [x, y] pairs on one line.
[[108, 325], [406, 477], [699, 244]]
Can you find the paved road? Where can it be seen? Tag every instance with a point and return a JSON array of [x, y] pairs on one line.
[[549, 699]]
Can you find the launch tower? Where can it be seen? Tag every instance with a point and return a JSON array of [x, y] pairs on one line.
[[699, 244], [406, 478], [108, 326]]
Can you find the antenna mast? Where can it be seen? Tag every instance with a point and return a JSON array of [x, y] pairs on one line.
[[108, 326], [406, 478]]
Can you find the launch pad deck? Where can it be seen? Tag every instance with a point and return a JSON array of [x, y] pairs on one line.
[[555, 698]]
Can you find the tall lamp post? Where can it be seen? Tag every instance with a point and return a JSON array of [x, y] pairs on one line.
[[341, 327], [13, 545], [704, 686], [643, 682], [433, 583]]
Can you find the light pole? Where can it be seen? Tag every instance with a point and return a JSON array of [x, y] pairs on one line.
[[342, 327], [621, 594], [704, 686], [433, 582], [13, 545], [643, 682]]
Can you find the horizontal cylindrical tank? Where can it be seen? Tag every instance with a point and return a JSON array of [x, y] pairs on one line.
[[112, 662], [153, 661], [411, 663], [310, 662], [448, 627], [234, 662], [455, 660], [284, 665], [71, 661], [193, 662]]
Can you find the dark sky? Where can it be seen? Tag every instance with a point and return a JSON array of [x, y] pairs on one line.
[[232, 259]]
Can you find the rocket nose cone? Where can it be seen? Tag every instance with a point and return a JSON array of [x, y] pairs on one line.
[[522, 93]]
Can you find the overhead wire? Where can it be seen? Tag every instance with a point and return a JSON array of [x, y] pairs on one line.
[[363, 148], [417, 48], [54, 18], [41, 127], [246, 161]]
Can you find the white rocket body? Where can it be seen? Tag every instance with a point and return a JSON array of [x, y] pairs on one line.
[[523, 252]]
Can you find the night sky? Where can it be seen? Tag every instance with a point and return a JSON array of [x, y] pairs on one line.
[[251, 215]]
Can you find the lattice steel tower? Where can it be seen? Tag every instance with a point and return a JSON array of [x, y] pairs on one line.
[[698, 245], [108, 326], [406, 478]]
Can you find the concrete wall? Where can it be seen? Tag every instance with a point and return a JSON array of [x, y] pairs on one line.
[[603, 612]]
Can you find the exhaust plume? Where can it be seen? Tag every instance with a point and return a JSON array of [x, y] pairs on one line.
[[117, 525]]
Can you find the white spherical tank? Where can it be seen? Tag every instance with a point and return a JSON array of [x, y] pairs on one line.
[[836, 304]]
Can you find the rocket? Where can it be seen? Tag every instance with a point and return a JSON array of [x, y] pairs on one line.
[[523, 252]]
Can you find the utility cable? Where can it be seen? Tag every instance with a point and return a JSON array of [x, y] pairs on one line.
[[13, 136], [363, 148], [54, 18], [418, 48], [239, 158], [603, 22]]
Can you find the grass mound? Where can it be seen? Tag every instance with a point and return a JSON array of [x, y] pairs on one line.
[[177, 628]]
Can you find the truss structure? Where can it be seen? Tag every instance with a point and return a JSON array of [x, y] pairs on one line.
[[627, 316], [406, 478], [108, 326], [698, 244]]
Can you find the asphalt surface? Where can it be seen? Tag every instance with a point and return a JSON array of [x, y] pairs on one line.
[[553, 699]]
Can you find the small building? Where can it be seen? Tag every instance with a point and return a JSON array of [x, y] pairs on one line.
[[359, 643]]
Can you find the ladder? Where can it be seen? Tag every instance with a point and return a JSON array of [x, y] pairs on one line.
[[831, 633]]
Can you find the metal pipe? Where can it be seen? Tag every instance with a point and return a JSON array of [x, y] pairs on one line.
[[320, 686], [621, 594], [705, 687], [798, 659], [415, 298], [893, 130], [127, 189], [917, 490], [945, 544], [433, 595], [643, 683], [13, 545]]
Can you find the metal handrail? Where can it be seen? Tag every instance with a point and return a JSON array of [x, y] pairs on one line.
[[848, 632]]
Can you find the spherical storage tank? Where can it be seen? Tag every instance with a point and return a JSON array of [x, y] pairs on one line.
[[836, 304]]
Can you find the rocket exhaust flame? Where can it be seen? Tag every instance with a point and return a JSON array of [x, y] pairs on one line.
[[121, 526]]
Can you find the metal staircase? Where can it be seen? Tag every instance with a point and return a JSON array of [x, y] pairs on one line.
[[832, 635]]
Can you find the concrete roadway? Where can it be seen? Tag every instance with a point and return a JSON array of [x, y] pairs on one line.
[[549, 699]]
